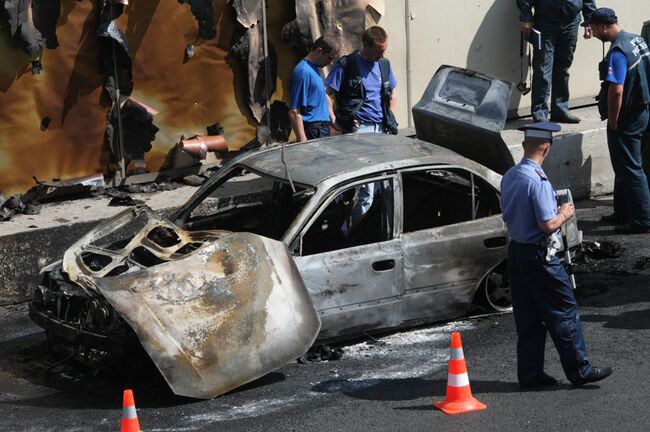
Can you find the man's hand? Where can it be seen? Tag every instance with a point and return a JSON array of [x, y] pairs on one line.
[[588, 33], [566, 210], [296, 124], [526, 27], [614, 104], [564, 213], [612, 124]]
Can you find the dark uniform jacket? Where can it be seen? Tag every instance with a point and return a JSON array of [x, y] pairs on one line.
[[554, 11], [636, 90]]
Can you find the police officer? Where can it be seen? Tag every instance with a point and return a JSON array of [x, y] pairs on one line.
[[623, 101], [542, 296]]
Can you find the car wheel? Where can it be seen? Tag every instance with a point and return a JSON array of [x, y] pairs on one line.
[[493, 294]]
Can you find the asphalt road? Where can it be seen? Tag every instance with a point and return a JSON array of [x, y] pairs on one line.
[[385, 384]]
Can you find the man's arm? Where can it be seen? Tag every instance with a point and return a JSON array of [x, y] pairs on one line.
[[330, 102], [614, 103], [393, 101], [564, 214], [296, 124], [525, 16], [329, 91], [588, 7]]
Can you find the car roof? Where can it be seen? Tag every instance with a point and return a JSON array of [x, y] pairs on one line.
[[312, 162]]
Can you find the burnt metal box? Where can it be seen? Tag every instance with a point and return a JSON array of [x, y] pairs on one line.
[[465, 111]]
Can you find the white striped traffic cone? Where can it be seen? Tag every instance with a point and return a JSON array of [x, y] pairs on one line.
[[459, 394], [130, 421]]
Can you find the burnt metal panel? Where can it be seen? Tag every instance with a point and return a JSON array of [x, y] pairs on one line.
[[465, 111], [442, 266], [214, 310], [223, 316], [313, 162], [349, 293]]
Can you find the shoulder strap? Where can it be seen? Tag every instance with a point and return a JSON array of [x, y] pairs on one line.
[[384, 67], [350, 65]]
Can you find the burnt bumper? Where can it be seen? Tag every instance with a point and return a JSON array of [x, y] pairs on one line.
[[75, 336]]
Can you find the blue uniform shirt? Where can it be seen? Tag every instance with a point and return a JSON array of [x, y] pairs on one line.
[[617, 67], [526, 198], [308, 93], [370, 111]]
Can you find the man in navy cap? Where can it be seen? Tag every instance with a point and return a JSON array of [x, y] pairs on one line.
[[542, 296], [558, 23], [623, 100]]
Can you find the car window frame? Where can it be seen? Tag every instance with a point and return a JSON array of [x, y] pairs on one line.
[[334, 191], [470, 171], [182, 215]]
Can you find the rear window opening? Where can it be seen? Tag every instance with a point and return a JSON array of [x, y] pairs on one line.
[[440, 197]]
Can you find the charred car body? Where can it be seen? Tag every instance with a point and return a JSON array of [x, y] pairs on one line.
[[330, 238]]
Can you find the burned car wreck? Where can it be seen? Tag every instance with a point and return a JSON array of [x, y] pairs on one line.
[[384, 231]]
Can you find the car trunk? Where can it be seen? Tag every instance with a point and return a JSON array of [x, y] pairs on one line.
[[465, 111]]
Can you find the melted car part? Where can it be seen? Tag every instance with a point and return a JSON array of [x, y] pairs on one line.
[[214, 310], [135, 239], [465, 111], [219, 317]]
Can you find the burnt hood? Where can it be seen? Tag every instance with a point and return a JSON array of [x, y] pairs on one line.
[[465, 111]]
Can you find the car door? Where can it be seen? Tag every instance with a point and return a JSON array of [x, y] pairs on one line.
[[350, 261], [452, 234]]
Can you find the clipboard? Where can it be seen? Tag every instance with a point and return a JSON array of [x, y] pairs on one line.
[[534, 38]]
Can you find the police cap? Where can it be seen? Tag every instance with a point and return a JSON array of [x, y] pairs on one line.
[[602, 16], [540, 130]]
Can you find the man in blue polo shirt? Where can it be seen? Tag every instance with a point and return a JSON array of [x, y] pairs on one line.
[[364, 85], [542, 296], [309, 110], [624, 101]]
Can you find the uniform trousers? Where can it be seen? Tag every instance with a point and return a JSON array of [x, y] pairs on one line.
[[631, 194], [543, 301]]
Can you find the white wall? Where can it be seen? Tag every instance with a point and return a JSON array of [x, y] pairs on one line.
[[482, 35]]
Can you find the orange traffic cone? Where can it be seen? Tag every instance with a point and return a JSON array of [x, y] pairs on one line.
[[129, 415], [459, 395]]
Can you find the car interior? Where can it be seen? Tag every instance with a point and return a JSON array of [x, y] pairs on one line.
[[439, 197], [344, 223], [269, 212]]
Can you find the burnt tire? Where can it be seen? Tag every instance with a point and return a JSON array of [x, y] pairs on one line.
[[493, 293]]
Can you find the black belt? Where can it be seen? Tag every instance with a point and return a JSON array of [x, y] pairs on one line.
[[316, 123], [541, 243]]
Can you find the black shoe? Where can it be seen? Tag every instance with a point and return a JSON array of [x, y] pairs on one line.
[[596, 374], [613, 219], [630, 228], [565, 118], [542, 380]]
